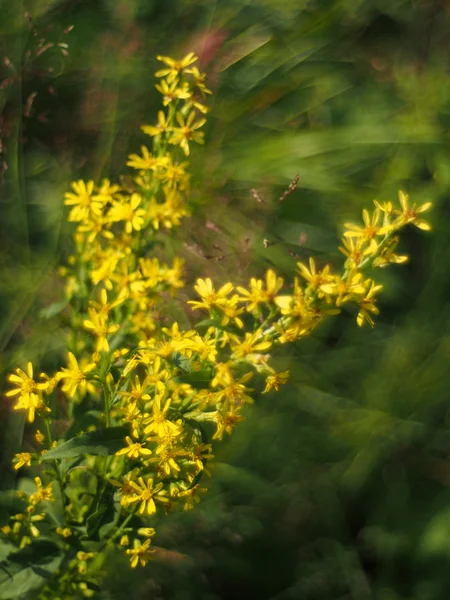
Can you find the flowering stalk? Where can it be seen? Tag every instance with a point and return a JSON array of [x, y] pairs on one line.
[[148, 402]]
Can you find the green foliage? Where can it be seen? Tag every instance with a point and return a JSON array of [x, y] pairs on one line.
[[338, 488], [97, 443]]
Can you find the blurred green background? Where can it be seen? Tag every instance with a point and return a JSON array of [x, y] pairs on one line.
[[337, 488]]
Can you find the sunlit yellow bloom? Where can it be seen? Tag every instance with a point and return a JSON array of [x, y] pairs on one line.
[[74, 376], [387, 255], [146, 494], [82, 201], [42, 493], [145, 162], [371, 227], [204, 346], [167, 464], [158, 422], [321, 281], [23, 459], [385, 207], [96, 226], [409, 214], [186, 132], [137, 391], [100, 328], [252, 342], [39, 437], [175, 66], [126, 490], [356, 250], [172, 91], [235, 391], [106, 191], [104, 307], [367, 304], [209, 296], [258, 294], [140, 553], [226, 420], [275, 381], [146, 531], [199, 79], [349, 288], [129, 213], [134, 449], [161, 127], [27, 390]]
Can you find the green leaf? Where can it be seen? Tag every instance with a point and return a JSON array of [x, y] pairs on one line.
[[29, 568], [197, 379], [99, 443], [54, 309], [105, 516], [6, 548]]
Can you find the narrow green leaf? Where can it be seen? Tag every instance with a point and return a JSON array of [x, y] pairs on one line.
[[54, 309]]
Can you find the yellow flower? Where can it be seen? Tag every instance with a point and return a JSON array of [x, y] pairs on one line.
[[39, 437], [82, 200], [146, 162], [322, 281], [158, 422], [209, 296], [409, 214], [146, 531], [42, 493], [199, 79], [186, 132], [75, 377], [134, 449], [161, 127], [64, 532], [349, 288], [259, 295], [355, 250], [170, 91], [204, 346], [175, 66], [146, 494], [275, 381], [367, 304], [128, 212], [23, 459], [371, 228], [98, 325], [235, 391], [82, 558], [103, 307], [137, 391], [252, 342], [227, 419], [27, 390], [140, 553], [106, 191]]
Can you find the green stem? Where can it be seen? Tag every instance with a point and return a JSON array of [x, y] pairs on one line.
[[55, 465]]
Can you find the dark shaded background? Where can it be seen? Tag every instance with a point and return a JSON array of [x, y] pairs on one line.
[[338, 487]]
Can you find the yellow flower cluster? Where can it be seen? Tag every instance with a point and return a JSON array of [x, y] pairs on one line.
[[174, 392], [23, 527]]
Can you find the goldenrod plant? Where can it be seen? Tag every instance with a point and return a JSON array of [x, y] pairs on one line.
[[145, 404]]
